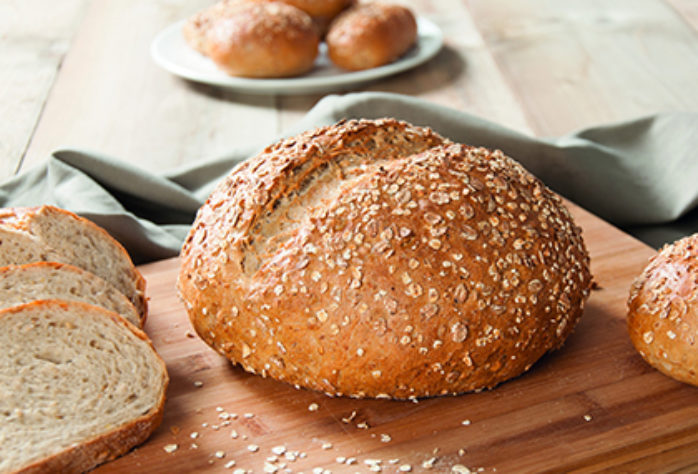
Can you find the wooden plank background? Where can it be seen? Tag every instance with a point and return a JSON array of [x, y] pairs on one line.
[[79, 73]]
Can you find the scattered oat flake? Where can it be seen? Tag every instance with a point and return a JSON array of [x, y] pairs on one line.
[[198, 383], [362, 425], [170, 448], [385, 438], [253, 448], [429, 463], [229, 464], [220, 454], [240, 471], [465, 422], [268, 467], [234, 434], [313, 407], [340, 459], [219, 409], [587, 417], [349, 418], [326, 445], [460, 469], [461, 452], [249, 415], [351, 461], [405, 468], [278, 450], [194, 435], [393, 461], [290, 456]]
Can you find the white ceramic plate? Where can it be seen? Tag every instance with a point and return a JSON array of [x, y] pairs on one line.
[[170, 50]]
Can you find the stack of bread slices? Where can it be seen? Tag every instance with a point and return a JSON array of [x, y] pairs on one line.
[[80, 382]]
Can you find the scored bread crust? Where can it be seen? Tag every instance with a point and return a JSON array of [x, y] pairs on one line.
[[377, 259], [24, 239], [663, 311], [85, 455]]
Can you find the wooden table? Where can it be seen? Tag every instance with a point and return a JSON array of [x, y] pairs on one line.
[[79, 73]]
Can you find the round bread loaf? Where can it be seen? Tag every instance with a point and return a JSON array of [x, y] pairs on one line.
[[321, 11], [663, 311], [378, 259], [253, 39], [370, 35]]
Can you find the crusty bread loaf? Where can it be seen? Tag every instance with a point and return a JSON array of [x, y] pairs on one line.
[[50, 280], [255, 39], [371, 35], [79, 385], [321, 11], [48, 233], [663, 311], [377, 259]]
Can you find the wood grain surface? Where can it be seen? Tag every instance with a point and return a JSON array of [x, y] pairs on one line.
[[594, 405], [78, 73]]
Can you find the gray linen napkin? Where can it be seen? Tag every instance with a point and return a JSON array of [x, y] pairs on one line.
[[641, 175]]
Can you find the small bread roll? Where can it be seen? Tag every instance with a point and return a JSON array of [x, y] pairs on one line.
[[321, 11], [252, 39], [371, 35], [663, 311]]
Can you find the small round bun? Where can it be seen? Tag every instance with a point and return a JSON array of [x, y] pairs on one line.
[[374, 258], [253, 39], [663, 311], [370, 35], [321, 11]]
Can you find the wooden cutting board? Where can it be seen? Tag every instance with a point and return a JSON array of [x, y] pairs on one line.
[[593, 405]]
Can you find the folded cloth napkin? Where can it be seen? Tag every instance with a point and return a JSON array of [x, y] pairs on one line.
[[641, 175]]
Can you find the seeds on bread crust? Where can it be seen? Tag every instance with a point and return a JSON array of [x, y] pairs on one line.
[[375, 258], [663, 311]]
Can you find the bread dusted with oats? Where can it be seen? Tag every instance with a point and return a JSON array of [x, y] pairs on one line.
[[378, 259], [321, 11], [663, 311], [255, 39]]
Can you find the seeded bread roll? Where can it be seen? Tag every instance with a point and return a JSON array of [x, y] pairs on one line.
[[50, 280], [663, 311], [47, 233], [321, 11], [377, 259], [256, 39], [371, 35], [79, 386]]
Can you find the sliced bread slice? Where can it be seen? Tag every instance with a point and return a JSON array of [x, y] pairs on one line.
[[79, 385], [51, 280], [48, 233]]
